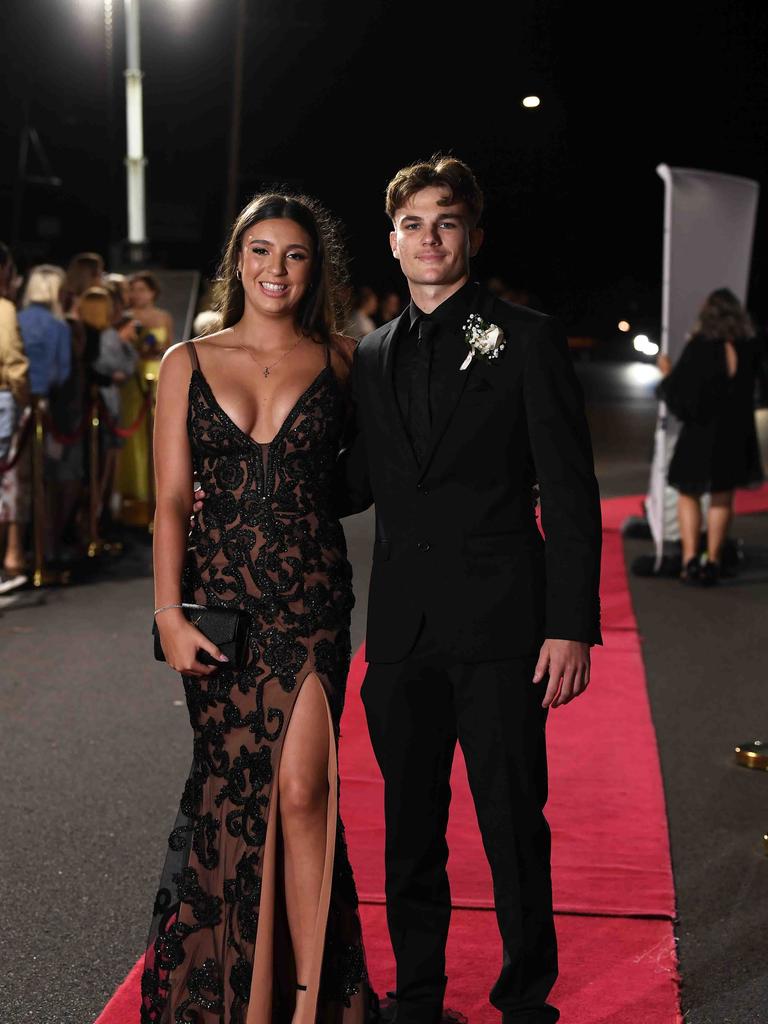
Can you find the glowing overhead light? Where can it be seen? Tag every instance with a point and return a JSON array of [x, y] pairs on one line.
[[624, 325], [642, 343], [531, 102]]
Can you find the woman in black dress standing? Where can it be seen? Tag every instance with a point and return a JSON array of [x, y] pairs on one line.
[[256, 918], [711, 390]]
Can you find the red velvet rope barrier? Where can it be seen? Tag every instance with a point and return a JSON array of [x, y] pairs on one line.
[[110, 424], [130, 430], [66, 438], [26, 430]]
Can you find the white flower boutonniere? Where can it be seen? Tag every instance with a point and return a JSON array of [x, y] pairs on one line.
[[485, 340]]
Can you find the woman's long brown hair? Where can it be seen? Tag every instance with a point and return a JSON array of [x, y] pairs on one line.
[[723, 318], [321, 308]]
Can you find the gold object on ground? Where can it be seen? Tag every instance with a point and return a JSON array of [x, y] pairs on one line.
[[752, 755]]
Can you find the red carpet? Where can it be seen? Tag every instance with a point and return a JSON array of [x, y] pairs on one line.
[[612, 970], [610, 846], [606, 807]]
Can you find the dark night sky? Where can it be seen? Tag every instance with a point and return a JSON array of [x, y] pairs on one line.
[[338, 95]]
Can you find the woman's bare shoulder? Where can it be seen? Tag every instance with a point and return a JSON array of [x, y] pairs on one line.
[[176, 364]]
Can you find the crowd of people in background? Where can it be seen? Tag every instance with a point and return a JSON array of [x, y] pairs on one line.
[[71, 337], [71, 340]]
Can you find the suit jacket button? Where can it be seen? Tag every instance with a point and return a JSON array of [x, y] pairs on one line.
[[423, 545]]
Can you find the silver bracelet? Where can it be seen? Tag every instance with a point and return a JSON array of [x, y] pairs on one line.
[[165, 607]]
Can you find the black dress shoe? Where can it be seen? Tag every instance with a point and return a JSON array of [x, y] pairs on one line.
[[691, 573], [549, 1015], [388, 1014], [709, 574]]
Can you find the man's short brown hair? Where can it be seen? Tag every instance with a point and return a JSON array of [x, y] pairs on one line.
[[442, 171]]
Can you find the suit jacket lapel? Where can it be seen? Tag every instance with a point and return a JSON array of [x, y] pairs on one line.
[[387, 375]]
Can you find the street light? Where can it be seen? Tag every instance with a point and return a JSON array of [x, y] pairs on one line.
[[642, 343], [134, 160], [531, 102]]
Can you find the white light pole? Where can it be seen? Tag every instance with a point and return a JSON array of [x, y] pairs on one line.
[[134, 160]]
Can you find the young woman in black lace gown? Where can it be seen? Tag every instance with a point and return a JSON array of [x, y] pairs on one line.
[[256, 917]]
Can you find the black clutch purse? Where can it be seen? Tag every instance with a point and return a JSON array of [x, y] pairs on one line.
[[226, 627]]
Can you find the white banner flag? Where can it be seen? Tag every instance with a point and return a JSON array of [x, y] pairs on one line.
[[709, 223]]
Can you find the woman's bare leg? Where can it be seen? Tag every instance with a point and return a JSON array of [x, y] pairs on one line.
[[689, 517], [14, 549], [718, 521], [303, 783]]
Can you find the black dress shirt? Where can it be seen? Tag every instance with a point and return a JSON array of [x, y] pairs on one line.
[[445, 328]]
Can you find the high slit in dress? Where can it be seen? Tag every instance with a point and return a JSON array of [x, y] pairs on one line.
[[266, 541]]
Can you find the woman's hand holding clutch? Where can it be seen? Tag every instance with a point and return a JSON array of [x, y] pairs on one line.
[[182, 641]]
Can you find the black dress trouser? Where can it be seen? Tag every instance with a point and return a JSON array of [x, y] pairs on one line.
[[416, 710]]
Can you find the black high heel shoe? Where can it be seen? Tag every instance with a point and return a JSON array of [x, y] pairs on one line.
[[691, 573]]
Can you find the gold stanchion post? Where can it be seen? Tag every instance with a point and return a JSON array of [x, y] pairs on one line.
[[95, 543], [97, 546], [42, 576]]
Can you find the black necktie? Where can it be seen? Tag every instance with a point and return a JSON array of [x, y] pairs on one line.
[[419, 418]]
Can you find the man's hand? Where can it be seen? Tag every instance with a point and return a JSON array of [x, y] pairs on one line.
[[199, 495], [567, 662]]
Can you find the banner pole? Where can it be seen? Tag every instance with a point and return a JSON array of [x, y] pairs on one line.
[[658, 489]]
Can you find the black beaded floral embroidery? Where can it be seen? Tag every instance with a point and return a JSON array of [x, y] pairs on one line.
[[267, 541]]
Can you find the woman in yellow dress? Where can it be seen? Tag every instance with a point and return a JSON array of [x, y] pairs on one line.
[[133, 479]]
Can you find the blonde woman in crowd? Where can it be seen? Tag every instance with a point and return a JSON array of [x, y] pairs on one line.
[[44, 334]]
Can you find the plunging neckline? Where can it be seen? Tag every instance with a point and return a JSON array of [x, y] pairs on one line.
[[287, 422]]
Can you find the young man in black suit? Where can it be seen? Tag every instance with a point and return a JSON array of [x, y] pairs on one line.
[[476, 625]]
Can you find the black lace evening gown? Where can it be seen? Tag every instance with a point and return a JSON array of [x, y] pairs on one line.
[[267, 541]]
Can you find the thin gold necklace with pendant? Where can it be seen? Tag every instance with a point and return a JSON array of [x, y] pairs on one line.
[[267, 369]]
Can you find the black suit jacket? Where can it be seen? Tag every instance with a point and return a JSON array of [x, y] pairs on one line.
[[457, 540]]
